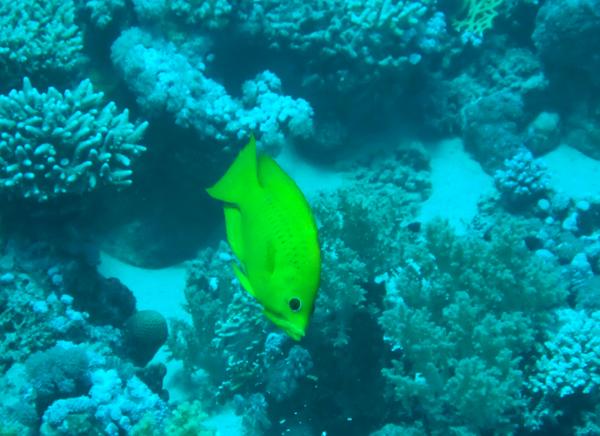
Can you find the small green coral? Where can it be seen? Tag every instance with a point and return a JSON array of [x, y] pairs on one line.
[[188, 419], [479, 16]]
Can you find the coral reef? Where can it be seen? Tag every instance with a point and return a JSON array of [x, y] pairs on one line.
[[166, 80], [568, 365], [566, 33], [461, 318], [522, 181], [356, 41], [55, 144], [113, 405], [40, 39], [145, 332], [493, 330]]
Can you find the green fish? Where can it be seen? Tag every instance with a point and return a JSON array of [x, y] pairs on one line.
[[272, 232]]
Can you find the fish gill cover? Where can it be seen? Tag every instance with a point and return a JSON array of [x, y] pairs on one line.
[[448, 150]]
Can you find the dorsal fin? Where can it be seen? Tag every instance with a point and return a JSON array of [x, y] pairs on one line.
[[240, 178]]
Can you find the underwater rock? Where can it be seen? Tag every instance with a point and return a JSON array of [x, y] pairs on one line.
[[492, 127], [543, 133], [582, 128], [567, 34], [153, 376]]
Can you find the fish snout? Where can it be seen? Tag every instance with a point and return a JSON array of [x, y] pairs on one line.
[[293, 329]]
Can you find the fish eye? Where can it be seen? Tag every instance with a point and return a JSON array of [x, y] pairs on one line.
[[295, 304]]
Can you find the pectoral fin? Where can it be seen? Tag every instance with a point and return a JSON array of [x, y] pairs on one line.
[[233, 227], [243, 279]]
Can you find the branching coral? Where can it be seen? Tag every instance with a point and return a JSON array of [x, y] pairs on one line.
[[569, 365], [229, 339], [164, 79], [53, 144], [59, 372], [39, 38], [115, 404], [103, 11], [228, 331], [342, 293], [187, 419], [462, 317], [361, 233], [212, 14], [522, 181], [372, 36], [32, 321]]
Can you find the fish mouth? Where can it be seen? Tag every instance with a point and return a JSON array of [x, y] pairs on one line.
[[292, 330]]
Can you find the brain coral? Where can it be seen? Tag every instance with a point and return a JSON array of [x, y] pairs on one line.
[[55, 143], [145, 332]]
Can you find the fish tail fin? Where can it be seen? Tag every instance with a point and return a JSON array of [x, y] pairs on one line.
[[241, 176]]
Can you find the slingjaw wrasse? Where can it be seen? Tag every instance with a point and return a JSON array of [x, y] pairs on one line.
[[273, 234]]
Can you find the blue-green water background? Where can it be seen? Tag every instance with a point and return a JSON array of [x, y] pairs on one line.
[[449, 151]]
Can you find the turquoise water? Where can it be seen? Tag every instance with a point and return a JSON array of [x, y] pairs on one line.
[[449, 152]]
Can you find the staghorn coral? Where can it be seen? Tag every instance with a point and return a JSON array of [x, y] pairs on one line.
[[39, 38], [54, 144], [102, 12], [355, 42], [212, 14]]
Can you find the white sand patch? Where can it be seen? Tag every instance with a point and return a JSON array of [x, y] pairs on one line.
[[458, 182], [226, 423], [309, 177], [572, 172], [154, 289]]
